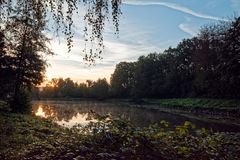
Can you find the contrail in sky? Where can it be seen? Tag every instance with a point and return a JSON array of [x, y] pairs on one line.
[[175, 7]]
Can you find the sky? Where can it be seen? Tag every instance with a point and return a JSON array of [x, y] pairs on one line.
[[146, 26]]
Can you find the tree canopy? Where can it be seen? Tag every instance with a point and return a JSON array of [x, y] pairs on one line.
[[66, 88], [24, 47]]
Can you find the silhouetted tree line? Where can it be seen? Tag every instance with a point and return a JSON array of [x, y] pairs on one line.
[[66, 88], [207, 65]]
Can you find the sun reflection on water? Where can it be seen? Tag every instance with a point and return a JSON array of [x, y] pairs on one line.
[[64, 117], [80, 118], [40, 112]]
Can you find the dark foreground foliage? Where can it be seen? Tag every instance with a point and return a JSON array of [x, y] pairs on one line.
[[29, 137]]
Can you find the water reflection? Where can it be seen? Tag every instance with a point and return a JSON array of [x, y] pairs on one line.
[[69, 113], [40, 112], [44, 110], [65, 116], [82, 119]]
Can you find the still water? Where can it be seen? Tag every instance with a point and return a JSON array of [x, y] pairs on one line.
[[70, 113]]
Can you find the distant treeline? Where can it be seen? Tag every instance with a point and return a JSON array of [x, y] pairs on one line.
[[66, 88], [207, 65]]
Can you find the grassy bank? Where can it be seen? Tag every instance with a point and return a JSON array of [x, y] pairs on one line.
[[30, 137], [226, 111], [198, 103]]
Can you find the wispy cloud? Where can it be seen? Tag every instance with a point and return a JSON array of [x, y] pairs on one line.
[[126, 48], [175, 7], [188, 29]]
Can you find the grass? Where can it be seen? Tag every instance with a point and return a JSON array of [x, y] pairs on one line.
[[198, 102]]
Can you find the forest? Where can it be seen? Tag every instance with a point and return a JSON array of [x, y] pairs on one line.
[[205, 66]]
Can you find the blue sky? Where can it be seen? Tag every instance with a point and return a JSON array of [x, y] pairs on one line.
[[146, 26]]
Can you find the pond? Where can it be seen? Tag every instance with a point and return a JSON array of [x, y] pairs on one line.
[[70, 113]]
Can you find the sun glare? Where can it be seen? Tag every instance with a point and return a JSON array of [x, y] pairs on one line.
[[40, 112]]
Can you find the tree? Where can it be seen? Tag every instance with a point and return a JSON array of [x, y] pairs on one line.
[[100, 89], [150, 75], [61, 13], [66, 88], [181, 68], [204, 66], [230, 60], [6, 70], [26, 45], [122, 80]]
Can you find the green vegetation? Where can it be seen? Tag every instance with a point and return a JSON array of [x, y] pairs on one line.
[[203, 66], [21, 57], [198, 102], [29, 137], [220, 110]]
